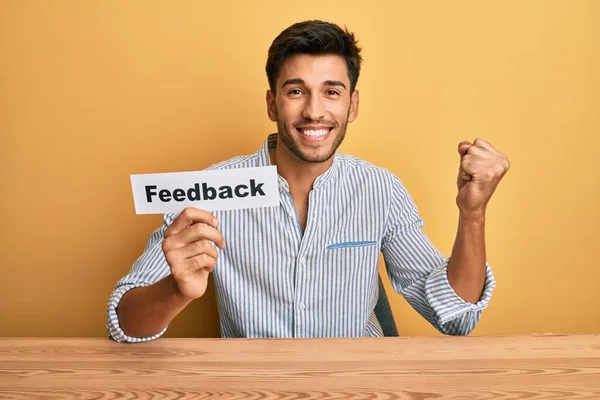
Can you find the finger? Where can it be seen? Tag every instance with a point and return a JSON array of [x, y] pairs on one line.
[[463, 178], [201, 261], [189, 216], [210, 269], [193, 233], [483, 144], [200, 231], [193, 249], [477, 151], [470, 164], [463, 147]]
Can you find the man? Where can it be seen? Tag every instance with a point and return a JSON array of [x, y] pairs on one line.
[[308, 268]]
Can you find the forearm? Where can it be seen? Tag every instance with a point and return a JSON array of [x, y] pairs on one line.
[[467, 267], [145, 311]]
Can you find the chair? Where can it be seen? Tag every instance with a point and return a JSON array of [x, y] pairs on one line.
[[383, 312]]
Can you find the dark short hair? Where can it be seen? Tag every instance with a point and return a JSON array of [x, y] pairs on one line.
[[314, 38]]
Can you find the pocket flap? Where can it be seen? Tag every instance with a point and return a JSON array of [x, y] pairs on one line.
[[352, 244]]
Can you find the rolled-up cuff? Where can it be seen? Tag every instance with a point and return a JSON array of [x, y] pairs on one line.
[[113, 326], [446, 303]]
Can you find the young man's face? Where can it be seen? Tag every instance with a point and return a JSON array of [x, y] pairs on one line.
[[312, 105]]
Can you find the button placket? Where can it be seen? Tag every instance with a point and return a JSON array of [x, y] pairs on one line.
[[312, 224]]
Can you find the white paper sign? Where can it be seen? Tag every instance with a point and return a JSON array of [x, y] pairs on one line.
[[226, 189]]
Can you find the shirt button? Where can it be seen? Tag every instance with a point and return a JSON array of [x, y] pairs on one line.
[[302, 306], [282, 185], [291, 214], [302, 260]]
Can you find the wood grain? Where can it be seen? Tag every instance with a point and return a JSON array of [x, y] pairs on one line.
[[518, 367]]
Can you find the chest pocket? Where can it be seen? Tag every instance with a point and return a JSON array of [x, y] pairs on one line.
[[353, 265], [356, 254]]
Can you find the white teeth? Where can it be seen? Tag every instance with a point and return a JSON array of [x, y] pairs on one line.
[[314, 133]]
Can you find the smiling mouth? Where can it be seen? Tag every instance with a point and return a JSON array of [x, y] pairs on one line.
[[314, 132]]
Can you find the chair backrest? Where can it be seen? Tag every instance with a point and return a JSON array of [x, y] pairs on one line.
[[383, 312]]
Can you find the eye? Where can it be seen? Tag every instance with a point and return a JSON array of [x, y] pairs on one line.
[[295, 92], [332, 92]]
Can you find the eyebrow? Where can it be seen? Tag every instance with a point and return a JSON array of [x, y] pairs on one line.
[[295, 81], [335, 83], [298, 81]]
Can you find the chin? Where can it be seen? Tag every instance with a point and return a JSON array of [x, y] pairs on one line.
[[312, 157]]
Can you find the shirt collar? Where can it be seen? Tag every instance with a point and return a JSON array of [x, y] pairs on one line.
[[265, 160]]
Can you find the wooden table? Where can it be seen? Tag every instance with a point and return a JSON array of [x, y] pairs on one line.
[[518, 367]]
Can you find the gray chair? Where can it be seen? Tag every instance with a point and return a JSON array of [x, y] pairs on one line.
[[383, 312]]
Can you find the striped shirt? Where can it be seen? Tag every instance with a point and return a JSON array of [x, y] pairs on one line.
[[275, 280]]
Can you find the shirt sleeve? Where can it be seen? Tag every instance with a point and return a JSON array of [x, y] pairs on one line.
[[418, 271], [149, 268]]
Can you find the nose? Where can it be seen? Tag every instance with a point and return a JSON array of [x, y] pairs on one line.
[[314, 109]]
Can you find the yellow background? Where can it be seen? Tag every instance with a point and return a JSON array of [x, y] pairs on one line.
[[93, 91]]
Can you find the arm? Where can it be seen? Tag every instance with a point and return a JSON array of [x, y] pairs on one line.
[[466, 269], [481, 169], [172, 272], [150, 268], [450, 294], [419, 272], [147, 311]]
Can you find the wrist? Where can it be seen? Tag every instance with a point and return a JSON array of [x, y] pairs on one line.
[[176, 293], [472, 216]]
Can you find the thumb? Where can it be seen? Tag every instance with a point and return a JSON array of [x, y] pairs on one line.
[[463, 147], [463, 178]]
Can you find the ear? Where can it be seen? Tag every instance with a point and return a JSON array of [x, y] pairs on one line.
[[271, 111], [353, 114]]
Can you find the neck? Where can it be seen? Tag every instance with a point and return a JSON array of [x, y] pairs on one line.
[[299, 174]]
